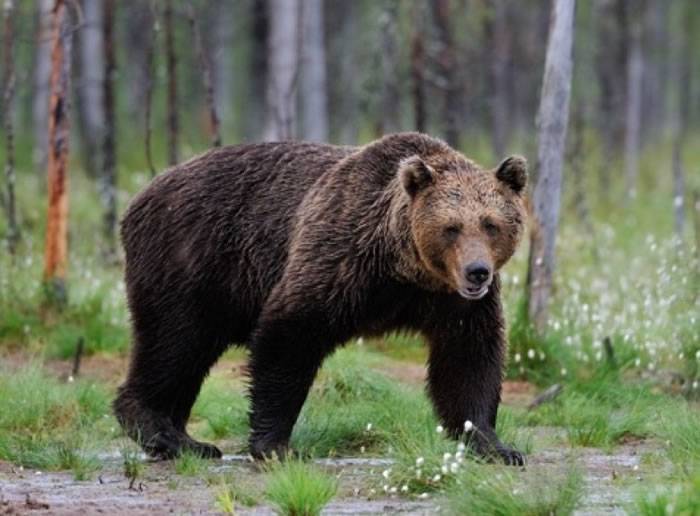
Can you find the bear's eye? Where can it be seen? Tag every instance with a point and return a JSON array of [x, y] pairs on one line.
[[490, 227], [452, 231]]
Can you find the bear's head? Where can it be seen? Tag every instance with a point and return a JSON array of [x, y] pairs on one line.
[[465, 221]]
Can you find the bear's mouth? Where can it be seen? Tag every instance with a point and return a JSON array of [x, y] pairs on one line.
[[474, 293]]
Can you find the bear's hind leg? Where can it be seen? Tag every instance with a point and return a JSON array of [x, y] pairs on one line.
[[162, 384]]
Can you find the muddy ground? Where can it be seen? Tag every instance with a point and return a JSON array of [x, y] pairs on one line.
[[610, 481]]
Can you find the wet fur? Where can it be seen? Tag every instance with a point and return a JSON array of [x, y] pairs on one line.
[[291, 249]]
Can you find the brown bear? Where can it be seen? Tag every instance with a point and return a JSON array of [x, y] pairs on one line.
[[291, 249]]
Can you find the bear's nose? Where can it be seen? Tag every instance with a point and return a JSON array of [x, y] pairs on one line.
[[477, 273]]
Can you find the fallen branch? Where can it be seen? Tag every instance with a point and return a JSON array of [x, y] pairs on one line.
[[547, 396]]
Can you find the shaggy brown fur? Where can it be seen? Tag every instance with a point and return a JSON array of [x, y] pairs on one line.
[[293, 248]]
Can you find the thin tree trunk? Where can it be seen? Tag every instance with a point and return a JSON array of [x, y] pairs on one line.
[[108, 178], [314, 92], [172, 106], [259, 68], [418, 66], [447, 66], [205, 69], [89, 103], [499, 61], [220, 57], [9, 79], [148, 94], [633, 112], [283, 52], [344, 49], [135, 39], [42, 74], [553, 118], [56, 252], [389, 121]]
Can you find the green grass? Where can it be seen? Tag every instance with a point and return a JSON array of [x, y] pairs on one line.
[[51, 425], [299, 489], [501, 492], [353, 409], [678, 500], [232, 491], [190, 465]]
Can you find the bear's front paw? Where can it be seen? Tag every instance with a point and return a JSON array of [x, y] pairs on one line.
[[510, 456], [266, 450], [203, 450]]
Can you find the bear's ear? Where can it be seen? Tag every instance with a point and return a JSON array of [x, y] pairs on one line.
[[513, 172], [415, 174]]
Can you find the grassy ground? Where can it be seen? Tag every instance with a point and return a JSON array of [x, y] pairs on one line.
[[623, 341]]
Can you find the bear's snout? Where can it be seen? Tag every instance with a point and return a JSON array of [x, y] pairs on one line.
[[477, 273]]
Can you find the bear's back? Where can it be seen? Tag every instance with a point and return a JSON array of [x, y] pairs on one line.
[[224, 217]]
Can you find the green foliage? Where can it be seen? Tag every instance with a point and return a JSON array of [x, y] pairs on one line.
[[296, 488]]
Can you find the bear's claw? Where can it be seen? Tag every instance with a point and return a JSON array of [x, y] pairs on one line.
[[511, 457]]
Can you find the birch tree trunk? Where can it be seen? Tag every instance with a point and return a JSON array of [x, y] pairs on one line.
[[314, 91], [389, 121], [8, 114], [553, 118], [56, 250], [41, 77], [220, 57], [633, 111], [283, 46], [108, 178], [89, 103], [172, 101]]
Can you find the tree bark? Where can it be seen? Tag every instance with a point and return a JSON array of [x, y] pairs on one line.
[[553, 118], [283, 57], [499, 32], [389, 121], [42, 74], [447, 67], [220, 57], [89, 88], [108, 178], [172, 100], [610, 58], [344, 93], [418, 67], [314, 91], [205, 70], [56, 251], [8, 112], [259, 68], [150, 52], [633, 111]]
